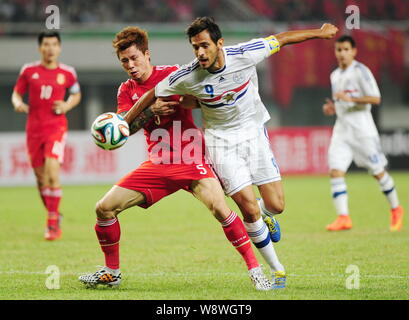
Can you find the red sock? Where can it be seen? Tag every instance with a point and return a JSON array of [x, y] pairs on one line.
[[43, 194], [236, 233], [109, 233], [54, 198]]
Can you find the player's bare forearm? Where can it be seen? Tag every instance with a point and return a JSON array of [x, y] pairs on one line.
[[367, 99], [18, 103], [343, 96], [139, 122], [73, 101], [145, 101], [327, 31]]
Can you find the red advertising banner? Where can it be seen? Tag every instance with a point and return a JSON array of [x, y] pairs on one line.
[[309, 64], [301, 150], [84, 162]]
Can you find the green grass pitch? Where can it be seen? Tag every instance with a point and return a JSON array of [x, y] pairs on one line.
[[176, 250]]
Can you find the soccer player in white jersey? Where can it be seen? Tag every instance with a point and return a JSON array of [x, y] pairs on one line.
[[355, 137], [224, 81]]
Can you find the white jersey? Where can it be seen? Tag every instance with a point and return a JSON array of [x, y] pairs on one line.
[[229, 99], [354, 119]]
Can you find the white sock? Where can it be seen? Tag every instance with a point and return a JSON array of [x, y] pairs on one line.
[[388, 188], [114, 272], [259, 234], [339, 195], [264, 209]]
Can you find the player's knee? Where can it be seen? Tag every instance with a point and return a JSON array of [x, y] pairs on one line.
[[276, 205], [40, 183], [219, 209], [103, 210], [40, 179], [53, 181], [379, 176], [250, 210], [336, 173]]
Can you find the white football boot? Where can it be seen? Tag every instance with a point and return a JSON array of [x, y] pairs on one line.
[[259, 280], [102, 276]]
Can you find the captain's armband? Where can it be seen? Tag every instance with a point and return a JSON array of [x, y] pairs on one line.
[[274, 45]]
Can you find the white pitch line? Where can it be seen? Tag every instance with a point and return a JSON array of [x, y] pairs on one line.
[[180, 274]]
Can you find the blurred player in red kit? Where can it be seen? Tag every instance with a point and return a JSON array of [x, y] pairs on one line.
[[46, 82], [171, 165]]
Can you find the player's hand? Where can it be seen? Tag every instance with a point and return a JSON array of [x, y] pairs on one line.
[[22, 108], [342, 96], [60, 107], [189, 102], [328, 108], [163, 108], [328, 31]]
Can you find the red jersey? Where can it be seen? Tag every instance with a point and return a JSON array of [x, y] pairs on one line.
[[45, 86], [180, 141]]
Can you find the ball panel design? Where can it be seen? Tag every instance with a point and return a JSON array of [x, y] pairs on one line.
[[110, 131]]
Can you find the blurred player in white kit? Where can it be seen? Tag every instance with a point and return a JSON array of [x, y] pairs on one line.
[[355, 137]]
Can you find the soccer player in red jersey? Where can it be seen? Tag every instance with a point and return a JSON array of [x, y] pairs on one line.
[[46, 82], [171, 165]]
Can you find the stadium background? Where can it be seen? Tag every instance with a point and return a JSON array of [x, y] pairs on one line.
[[175, 250], [293, 83]]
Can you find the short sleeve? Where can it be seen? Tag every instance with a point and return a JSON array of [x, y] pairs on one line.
[[124, 100], [367, 82], [255, 50], [73, 85], [172, 84], [22, 83], [75, 88]]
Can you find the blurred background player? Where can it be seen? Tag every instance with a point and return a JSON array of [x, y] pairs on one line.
[[154, 179], [46, 82], [355, 137], [224, 80]]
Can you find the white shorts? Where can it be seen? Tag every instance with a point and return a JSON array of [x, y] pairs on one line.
[[242, 164], [365, 152]]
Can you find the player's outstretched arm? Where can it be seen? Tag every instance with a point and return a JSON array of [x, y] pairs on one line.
[[18, 103], [327, 31]]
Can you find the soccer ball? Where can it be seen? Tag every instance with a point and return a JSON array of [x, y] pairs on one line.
[[110, 131]]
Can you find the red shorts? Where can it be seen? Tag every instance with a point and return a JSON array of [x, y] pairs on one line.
[[157, 181], [46, 146]]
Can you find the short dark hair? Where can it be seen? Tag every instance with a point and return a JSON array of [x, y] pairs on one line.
[[346, 38], [204, 23], [48, 34]]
